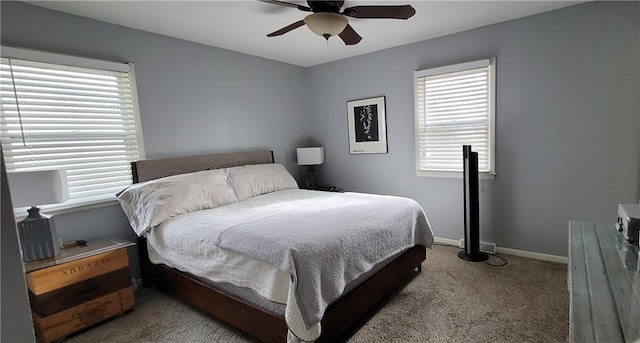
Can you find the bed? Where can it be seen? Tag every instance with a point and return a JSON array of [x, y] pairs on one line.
[[231, 304]]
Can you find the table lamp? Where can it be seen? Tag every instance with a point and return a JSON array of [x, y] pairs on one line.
[[310, 157], [37, 232]]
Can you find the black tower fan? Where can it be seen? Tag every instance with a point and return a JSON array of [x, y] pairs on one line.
[[471, 250]]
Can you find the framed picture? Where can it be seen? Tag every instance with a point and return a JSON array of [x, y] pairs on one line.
[[367, 126]]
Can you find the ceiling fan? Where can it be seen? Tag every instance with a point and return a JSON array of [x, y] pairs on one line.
[[327, 20]]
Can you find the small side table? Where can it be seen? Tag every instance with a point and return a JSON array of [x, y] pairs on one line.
[[82, 286]]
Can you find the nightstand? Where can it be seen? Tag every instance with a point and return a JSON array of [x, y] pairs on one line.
[[82, 286]]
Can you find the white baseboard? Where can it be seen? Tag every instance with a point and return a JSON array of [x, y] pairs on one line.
[[509, 251], [534, 255], [447, 241]]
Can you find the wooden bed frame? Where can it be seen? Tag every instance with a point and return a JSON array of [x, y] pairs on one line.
[[339, 316]]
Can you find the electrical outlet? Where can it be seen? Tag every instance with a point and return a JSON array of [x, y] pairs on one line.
[[489, 248]]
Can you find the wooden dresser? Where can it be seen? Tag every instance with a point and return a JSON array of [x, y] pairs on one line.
[[604, 285], [80, 287]]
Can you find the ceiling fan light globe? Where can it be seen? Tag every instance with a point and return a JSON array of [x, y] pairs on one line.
[[324, 24]]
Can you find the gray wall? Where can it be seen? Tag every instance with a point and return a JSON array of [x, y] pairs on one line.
[[568, 117], [15, 317], [193, 98]]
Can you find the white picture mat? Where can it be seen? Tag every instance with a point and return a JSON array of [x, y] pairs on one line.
[[374, 147]]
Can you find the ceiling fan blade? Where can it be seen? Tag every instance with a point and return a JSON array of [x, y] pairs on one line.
[[288, 4], [381, 12], [286, 29], [349, 36]]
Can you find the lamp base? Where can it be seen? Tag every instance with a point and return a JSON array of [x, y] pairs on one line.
[[311, 179], [38, 236]]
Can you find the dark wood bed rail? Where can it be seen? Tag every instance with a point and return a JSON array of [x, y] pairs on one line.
[[339, 318], [228, 308]]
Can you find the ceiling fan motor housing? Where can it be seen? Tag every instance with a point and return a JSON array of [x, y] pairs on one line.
[[326, 24]]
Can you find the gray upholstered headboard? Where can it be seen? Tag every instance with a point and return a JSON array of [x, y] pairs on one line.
[[146, 170]]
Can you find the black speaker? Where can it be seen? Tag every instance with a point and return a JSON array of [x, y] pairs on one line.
[[471, 250]]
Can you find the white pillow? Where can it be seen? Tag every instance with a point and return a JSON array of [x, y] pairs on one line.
[[150, 203], [255, 179]]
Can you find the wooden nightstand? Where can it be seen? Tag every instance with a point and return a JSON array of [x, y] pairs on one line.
[[80, 287]]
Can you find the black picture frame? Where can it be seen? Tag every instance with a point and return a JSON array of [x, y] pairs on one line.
[[367, 126]]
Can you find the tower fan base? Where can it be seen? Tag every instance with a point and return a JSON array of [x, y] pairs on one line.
[[477, 257]]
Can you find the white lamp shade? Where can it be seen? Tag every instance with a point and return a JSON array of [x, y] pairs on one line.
[[323, 23], [310, 156], [35, 188]]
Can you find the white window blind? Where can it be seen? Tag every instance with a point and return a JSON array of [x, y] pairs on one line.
[[82, 120], [454, 107]]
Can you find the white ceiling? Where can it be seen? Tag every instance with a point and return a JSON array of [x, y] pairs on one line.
[[242, 25]]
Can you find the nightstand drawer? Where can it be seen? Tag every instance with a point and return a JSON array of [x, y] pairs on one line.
[[59, 325], [49, 279], [78, 293]]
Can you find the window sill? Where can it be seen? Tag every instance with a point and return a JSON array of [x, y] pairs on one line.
[[67, 207], [453, 174]]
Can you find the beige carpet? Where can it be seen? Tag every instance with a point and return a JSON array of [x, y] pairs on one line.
[[450, 301]]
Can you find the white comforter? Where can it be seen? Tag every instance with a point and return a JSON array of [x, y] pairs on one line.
[[187, 243]]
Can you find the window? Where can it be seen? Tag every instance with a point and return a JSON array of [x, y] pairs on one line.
[[454, 107], [71, 113]]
